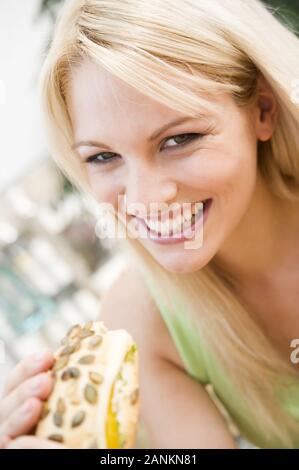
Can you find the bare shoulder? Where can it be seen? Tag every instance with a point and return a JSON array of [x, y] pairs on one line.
[[128, 304]]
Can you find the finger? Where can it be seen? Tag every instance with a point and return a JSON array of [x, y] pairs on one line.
[[28, 367], [4, 440], [29, 442], [39, 386], [23, 419]]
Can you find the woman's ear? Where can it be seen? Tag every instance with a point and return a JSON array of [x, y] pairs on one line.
[[267, 110]]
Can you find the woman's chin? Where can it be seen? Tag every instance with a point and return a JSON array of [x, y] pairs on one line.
[[185, 266]]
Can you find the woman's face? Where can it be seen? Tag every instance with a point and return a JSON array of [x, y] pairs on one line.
[[218, 163]]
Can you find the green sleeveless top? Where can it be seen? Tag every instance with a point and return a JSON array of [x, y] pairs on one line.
[[200, 364]]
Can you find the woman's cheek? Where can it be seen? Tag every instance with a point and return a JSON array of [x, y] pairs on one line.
[[102, 187], [235, 184], [235, 169], [228, 177], [214, 172]]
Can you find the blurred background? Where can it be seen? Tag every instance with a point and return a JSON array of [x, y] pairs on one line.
[[53, 268]]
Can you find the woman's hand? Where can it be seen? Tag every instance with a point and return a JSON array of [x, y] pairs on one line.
[[28, 442], [28, 384]]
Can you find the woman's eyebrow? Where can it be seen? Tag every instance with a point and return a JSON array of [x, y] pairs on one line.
[[94, 143]]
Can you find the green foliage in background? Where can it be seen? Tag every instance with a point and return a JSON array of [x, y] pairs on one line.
[[287, 11], [49, 7]]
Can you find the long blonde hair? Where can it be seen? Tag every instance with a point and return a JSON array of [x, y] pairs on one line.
[[174, 51]]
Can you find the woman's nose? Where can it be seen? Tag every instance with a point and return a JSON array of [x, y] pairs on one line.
[[149, 187]]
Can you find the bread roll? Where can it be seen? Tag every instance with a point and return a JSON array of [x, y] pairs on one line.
[[95, 399]]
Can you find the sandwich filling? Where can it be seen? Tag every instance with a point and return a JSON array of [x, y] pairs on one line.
[[122, 396]]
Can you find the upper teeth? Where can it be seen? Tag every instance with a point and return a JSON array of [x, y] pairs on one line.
[[174, 224]]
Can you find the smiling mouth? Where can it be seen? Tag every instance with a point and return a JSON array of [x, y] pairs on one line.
[[175, 227]]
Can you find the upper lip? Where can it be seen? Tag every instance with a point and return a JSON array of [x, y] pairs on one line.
[[166, 215]]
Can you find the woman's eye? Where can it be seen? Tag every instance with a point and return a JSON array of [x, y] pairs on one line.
[[182, 139], [106, 157], [100, 158]]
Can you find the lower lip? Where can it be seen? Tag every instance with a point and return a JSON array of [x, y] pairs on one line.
[[180, 237]]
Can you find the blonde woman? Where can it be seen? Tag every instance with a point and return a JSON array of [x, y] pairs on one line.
[[186, 101]]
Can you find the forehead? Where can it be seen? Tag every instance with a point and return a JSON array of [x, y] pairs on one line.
[[96, 99], [94, 92]]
